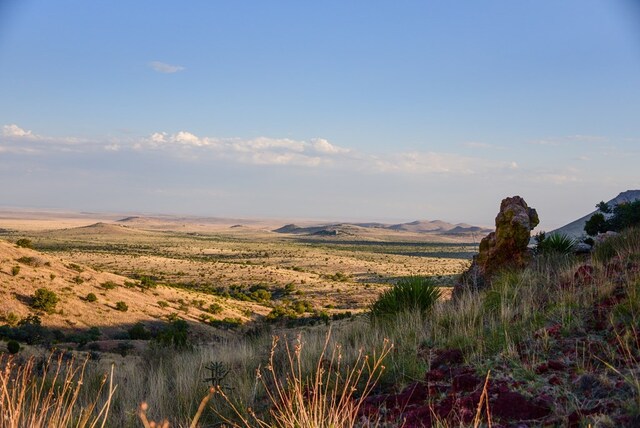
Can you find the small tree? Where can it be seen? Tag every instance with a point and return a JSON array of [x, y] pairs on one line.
[[122, 306], [45, 300], [91, 297]]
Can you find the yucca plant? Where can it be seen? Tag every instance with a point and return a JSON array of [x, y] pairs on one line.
[[411, 293], [556, 243]]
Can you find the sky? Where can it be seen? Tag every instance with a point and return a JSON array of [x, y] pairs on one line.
[[336, 110]]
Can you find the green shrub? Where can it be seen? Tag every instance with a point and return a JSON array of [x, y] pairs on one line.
[[214, 308], [75, 267], [108, 285], [24, 243], [139, 332], [15, 270], [556, 243], [122, 306], [45, 300], [176, 334], [596, 224], [163, 304], [226, 323], [13, 346], [147, 282], [412, 293], [91, 297]]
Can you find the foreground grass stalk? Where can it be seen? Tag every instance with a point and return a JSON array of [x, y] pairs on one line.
[[49, 400], [324, 398]]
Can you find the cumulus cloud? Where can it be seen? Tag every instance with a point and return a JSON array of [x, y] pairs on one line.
[[313, 153], [323, 146], [163, 67], [14, 131]]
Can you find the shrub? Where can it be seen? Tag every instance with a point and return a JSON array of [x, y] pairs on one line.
[[412, 293], [45, 300], [557, 243], [75, 267], [139, 332], [108, 285], [214, 308], [91, 297], [122, 306], [124, 348], [15, 270], [13, 346], [176, 334], [163, 304], [11, 319], [24, 243]]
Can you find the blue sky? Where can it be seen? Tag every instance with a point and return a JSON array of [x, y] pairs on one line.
[[337, 110]]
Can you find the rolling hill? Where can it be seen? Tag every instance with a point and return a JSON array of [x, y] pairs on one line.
[[426, 227]]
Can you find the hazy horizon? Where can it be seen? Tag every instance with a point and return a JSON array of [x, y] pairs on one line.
[[386, 111]]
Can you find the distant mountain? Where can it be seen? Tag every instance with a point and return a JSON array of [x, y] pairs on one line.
[[576, 228], [433, 227]]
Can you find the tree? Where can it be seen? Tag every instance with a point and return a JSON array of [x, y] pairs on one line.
[[596, 224], [45, 300]]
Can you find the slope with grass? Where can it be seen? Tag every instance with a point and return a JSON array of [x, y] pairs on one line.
[[23, 271]]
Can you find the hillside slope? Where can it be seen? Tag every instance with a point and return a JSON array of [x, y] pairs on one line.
[[575, 229], [72, 283]]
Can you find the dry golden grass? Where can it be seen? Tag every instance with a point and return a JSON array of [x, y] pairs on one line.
[[51, 398]]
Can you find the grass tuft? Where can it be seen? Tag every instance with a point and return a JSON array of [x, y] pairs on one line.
[[409, 294]]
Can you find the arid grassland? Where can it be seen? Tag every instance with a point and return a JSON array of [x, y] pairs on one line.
[[248, 271], [554, 343]]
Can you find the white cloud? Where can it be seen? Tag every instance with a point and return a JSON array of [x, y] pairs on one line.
[[323, 146], [14, 131], [313, 153], [163, 67]]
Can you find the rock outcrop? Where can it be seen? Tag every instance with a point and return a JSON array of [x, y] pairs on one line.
[[504, 248]]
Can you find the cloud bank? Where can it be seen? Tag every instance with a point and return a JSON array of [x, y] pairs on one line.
[[260, 151]]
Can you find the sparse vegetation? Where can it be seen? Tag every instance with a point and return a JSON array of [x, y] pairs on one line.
[[15, 270], [122, 306], [24, 243], [91, 297], [45, 300]]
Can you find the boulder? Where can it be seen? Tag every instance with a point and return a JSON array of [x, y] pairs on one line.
[[507, 247]]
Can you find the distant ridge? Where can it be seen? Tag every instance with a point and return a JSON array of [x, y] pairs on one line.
[[433, 227], [575, 229]]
